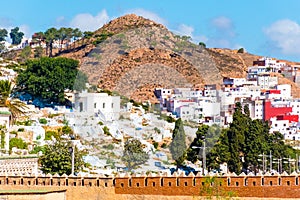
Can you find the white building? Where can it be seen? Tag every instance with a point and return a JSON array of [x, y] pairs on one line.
[[186, 112], [105, 106], [265, 81], [208, 109], [285, 91], [295, 104]]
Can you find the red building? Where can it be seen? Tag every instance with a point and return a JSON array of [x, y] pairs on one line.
[[281, 112]]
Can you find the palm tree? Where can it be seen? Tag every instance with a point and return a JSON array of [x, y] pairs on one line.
[[15, 106]]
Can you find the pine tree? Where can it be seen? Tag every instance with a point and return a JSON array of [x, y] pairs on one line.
[[192, 154], [178, 144], [236, 138]]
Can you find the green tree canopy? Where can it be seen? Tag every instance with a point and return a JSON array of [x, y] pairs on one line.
[[57, 158], [202, 44], [241, 50], [15, 106], [16, 35], [178, 144], [38, 37], [134, 154], [3, 34], [47, 78], [50, 35], [241, 144]]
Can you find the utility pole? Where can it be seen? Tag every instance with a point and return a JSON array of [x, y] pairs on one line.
[[297, 163], [204, 157], [270, 161], [263, 161], [73, 158]]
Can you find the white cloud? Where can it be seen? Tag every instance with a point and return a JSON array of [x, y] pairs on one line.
[[5, 22], [88, 22], [186, 30], [61, 21], [222, 23], [285, 35], [224, 33], [26, 30], [148, 15]]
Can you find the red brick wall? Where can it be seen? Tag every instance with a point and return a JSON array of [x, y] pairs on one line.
[[92, 187], [252, 186]]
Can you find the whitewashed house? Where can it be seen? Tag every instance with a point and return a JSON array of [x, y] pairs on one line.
[[105, 106]]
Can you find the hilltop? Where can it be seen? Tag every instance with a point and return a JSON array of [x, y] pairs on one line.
[[133, 55]]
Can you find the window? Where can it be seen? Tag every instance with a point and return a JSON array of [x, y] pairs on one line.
[[103, 105], [95, 105], [112, 105]]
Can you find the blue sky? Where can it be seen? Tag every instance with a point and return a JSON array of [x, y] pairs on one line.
[[265, 27]]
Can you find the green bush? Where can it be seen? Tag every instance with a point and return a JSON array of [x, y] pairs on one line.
[[106, 131], [164, 145], [100, 123], [67, 130], [49, 134], [17, 142], [155, 144], [13, 132], [170, 119], [109, 146], [37, 149], [157, 130], [241, 50], [43, 121], [2, 139], [202, 44], [20, 129]]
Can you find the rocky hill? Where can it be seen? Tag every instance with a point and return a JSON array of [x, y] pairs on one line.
[[133, 55]]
